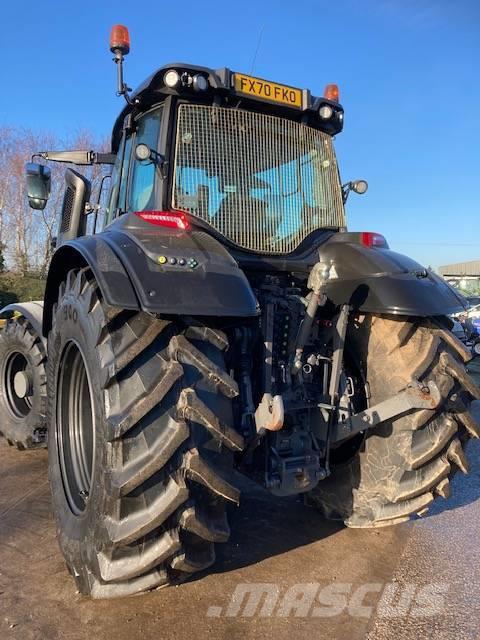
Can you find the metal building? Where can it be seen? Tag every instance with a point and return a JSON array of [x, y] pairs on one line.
[[461, 270], [463, 275]]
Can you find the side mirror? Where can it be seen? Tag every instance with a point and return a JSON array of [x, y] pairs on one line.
[[38, 184]]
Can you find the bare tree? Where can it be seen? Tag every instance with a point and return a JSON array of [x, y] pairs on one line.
[[27, 234]]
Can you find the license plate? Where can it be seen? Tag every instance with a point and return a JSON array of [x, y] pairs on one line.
[[269, 91]]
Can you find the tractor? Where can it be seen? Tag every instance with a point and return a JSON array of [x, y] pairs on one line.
[[223, 320]]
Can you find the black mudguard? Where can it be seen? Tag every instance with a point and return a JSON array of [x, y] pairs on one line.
[[138, 266], [378, 281], [32, 311]]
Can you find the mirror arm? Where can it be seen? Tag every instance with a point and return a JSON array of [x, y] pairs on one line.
[[158, 160], [346, 191], [353, 186], [77, 157], [104, 158], [163, 167], [161, 163]]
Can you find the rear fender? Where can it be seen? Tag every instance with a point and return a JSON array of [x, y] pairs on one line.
[[376, 280], [180, 273], [138, 267], [89, 251]]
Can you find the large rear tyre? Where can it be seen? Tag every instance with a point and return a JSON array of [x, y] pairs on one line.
[[403, 464], [140, 443], [23, 392]]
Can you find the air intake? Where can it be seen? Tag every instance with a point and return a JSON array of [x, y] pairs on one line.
[[73, 219]]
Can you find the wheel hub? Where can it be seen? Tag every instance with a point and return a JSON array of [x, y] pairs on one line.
[[22, 384], [18, 384], [75, 428]]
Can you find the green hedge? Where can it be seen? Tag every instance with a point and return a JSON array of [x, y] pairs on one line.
[[15, 288]]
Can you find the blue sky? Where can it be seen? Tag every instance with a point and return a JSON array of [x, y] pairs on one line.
[[408, 72]]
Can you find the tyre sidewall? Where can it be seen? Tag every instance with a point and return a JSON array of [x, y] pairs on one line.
[[78, 535]]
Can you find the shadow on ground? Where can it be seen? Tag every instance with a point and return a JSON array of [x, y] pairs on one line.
[[266, 526]]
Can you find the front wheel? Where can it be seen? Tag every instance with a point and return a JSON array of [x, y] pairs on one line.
[[141, 443], [404, 463], [23, 389]]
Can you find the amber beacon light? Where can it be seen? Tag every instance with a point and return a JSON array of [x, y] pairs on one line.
[[119, 39], [120, 46], [331, 92]]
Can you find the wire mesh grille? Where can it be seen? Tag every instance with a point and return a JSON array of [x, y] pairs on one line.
[[67, 209], [263, 182]]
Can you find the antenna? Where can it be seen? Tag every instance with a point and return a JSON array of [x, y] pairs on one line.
[[260, 35]]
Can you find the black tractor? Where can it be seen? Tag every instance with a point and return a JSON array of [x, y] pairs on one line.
[[224, 320]]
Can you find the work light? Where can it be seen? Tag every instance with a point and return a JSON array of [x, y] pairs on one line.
[[325, 112], [171, 78]]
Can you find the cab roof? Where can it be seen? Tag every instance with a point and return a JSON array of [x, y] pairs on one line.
[[222, 89]]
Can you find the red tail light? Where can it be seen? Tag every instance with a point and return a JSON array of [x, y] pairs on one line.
[[170, 219], [372, 239]]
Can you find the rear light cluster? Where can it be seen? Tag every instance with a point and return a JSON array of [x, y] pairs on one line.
[[169, 219], [372, 239], [178, 220]]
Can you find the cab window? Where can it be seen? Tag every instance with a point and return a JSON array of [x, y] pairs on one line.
[[122, 192], [118, 190], [142, 186], [114, 186]]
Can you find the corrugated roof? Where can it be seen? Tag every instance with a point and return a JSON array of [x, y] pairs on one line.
[[471, 268]]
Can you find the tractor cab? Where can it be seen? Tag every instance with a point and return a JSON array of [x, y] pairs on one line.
[[250, 160]]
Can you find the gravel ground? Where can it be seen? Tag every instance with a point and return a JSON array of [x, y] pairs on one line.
[[274, 541]]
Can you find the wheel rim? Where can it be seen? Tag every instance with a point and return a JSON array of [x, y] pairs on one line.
[[18, 384], [75, 428], [476, 348]]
